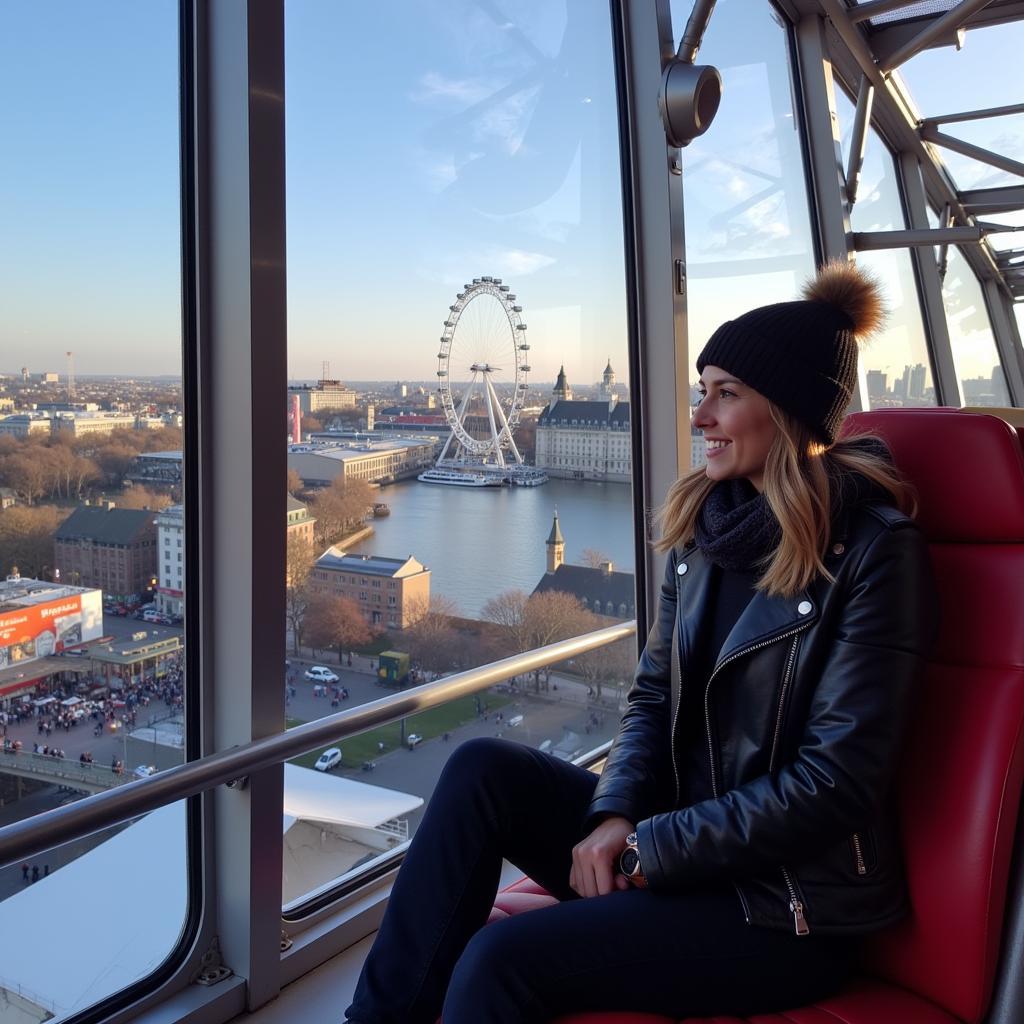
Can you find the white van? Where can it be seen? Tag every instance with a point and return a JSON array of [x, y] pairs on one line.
[[515, 720]]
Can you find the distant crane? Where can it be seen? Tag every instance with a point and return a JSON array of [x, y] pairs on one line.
[[71, 374]]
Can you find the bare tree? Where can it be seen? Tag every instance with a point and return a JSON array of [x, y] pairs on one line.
[[26, 539], [609, 665], [29, 473], [336, 621], [340, 508], [294, 481], [430, 637], [592, 558], [538, 620], [298, 569], [137, 496]]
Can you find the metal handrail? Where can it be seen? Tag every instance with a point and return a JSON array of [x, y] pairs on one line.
[[31, 836]]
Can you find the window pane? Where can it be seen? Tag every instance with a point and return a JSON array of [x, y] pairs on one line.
[[91, 665], [455, 244], [895, 362], [970, 333], [748, 230]]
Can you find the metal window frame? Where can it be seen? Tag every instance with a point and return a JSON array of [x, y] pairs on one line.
[[656, 277]]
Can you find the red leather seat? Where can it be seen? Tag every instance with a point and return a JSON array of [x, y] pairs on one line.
[[959, 786]]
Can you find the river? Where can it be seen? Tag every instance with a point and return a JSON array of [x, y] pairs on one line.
[[478, 542]]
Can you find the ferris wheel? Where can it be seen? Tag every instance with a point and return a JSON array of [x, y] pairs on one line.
[[484, 344]]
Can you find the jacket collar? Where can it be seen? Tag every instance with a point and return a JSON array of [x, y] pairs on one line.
[[764, 620]]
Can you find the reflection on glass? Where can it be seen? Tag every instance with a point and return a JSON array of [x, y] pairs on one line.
[[748, 234], [458, 372], [895, 363], [970, 333], [91, 645]]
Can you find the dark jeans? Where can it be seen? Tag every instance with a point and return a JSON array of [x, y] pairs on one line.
[[681, 953]]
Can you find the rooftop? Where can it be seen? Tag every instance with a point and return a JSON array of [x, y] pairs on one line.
[[370, 565]]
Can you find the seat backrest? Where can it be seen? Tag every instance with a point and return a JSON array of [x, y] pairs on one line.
[[959, 786]]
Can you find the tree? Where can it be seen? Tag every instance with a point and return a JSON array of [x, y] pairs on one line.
[[298, 569], [592, 558], [340, 508], [138, 496], [538, 620], [294, 481], [28, 473], [609, 665], [26, 539], [430, 635], [336, 621], [508, 611]]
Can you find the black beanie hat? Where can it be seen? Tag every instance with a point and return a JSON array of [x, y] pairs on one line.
[[802, 355]]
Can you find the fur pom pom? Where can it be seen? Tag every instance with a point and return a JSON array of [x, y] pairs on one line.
[[856, 293]]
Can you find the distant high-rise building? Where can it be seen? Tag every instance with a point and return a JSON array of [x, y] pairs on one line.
[[876, 384], [24, 375], [325, 394], [402, 390], [918, 375]]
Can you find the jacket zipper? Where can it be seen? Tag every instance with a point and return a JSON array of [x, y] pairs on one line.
[[858, 853], [787, 676], [796, 906], [707, 696]]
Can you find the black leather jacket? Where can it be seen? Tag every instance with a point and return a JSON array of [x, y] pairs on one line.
[[804, 714]]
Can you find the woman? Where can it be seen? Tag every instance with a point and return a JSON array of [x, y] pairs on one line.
[[736, 842]]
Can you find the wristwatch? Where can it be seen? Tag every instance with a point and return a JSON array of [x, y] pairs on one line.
[[629, 859]]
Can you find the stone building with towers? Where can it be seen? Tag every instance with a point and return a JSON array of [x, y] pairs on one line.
[[601, 590], [585, 440]]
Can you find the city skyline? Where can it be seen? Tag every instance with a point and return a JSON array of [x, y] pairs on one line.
[[498, 157]]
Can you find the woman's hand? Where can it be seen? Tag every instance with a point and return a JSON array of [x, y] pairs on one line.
[[595, 860]]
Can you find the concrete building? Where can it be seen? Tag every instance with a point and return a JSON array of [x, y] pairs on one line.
[[300, 522], [319, 462], [113, 549], [387, 590], [156, 469], [39, 619], [79, 424], [581, 440], [22, 424], [170, 591], [324, 394]]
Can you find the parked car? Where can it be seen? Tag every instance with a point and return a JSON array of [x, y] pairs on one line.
[[414, 739], [144, 771], [320, 674], [329, 759]]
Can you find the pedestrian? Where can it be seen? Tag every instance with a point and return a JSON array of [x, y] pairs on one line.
[[794, 574], [24, 872], [46, 870], [35, 872]]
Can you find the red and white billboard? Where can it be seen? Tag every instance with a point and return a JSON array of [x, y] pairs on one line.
[[47, 627]]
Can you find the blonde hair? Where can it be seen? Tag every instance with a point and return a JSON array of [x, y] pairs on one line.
[[799, 477]]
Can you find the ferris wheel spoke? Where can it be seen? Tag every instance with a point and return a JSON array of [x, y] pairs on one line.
[[483, 341]]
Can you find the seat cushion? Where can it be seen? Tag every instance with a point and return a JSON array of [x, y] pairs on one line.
[[864, 1001]]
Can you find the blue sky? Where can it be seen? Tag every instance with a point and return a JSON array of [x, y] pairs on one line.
[[427, 144]]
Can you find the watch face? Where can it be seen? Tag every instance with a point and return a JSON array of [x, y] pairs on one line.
[[629, 861]]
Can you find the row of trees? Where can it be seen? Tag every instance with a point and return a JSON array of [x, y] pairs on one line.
[[26, 539], [63, 468]]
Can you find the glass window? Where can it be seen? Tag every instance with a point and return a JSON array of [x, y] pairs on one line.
[[970, 334], [90, 317], [895, 363], [747, 222], [454, 240]]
